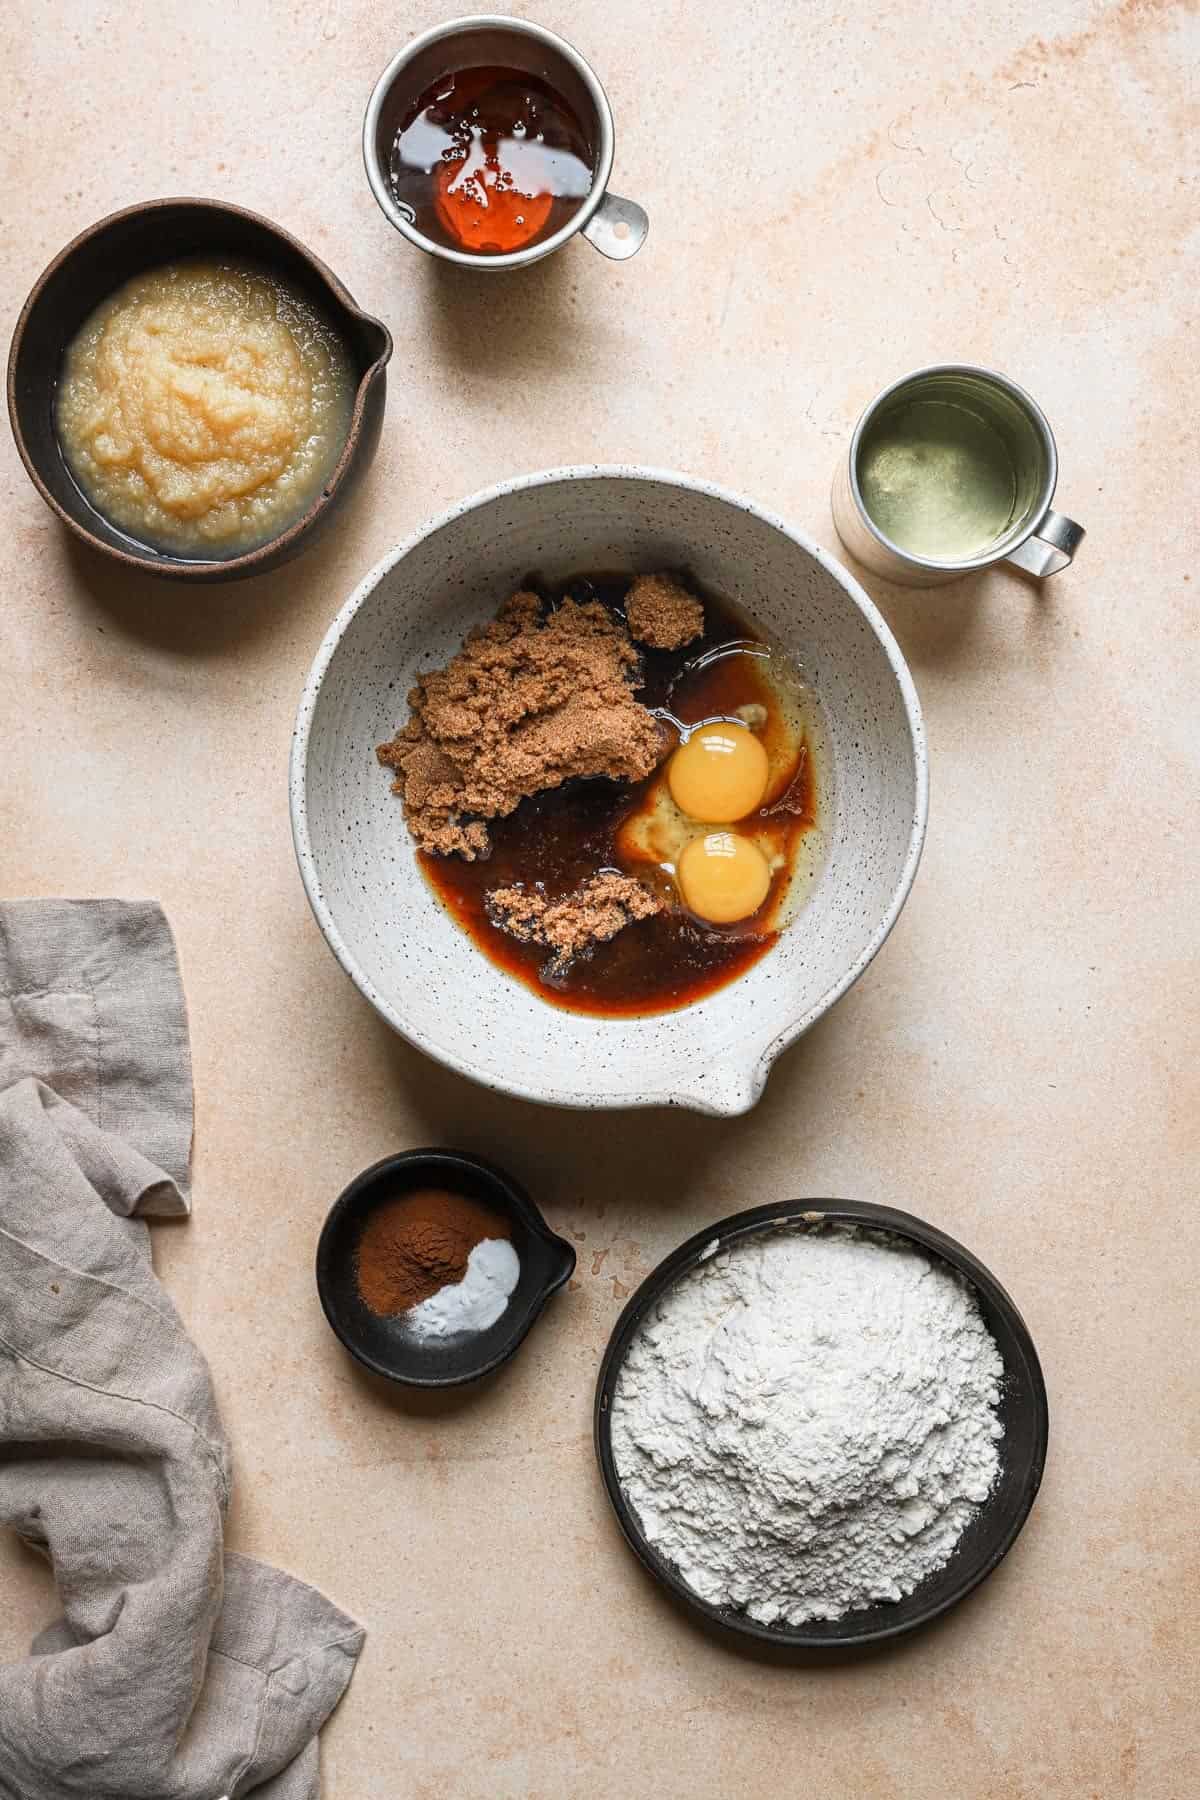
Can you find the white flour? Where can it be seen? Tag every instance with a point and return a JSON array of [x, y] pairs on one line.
[[806, 1423]]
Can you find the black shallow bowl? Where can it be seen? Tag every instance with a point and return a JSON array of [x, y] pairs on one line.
[[1022, 1410], [99, 260], [547, 1263]]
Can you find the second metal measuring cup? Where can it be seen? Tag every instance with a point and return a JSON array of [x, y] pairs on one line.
[[913, 448]]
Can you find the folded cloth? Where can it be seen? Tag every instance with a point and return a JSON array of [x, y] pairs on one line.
[[176, 1672]]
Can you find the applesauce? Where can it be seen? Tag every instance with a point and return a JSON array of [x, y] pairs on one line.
[[203, 406]]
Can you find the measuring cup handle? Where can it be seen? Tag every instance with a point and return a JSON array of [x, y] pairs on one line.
[[1051, 548], [617, 227]]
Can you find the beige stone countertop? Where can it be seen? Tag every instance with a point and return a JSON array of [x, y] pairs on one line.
[[838, 193]]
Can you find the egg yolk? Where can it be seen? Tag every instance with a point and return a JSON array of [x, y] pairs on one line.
[[723, 877], [718, 774]]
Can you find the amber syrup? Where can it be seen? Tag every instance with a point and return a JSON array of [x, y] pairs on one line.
[[489, 161]]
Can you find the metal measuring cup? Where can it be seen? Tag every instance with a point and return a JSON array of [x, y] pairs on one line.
[[616, 227], [1035, 537]]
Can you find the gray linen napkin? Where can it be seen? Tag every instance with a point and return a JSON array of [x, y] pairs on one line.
[[176, 1673]]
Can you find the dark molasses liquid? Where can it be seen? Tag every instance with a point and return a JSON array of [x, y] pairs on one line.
[[490, 160], [561, 837]]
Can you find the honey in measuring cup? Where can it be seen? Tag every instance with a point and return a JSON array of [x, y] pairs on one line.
[[490, 160]]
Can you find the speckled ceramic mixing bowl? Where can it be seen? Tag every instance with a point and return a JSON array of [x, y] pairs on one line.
[[383, 922]]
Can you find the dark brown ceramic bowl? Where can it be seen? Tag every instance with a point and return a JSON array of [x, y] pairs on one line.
[[96, 263]]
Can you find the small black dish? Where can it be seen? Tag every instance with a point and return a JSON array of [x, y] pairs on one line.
[[1022, 1411], [97, 262], [384, 1345]]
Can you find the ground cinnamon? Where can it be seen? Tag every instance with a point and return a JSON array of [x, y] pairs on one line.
[[417, 1243]]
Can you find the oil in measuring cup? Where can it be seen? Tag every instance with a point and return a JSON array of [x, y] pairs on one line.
[[938, 479]]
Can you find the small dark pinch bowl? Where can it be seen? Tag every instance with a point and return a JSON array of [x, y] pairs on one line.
[[384, 1345], [1022, 1410], [97, 262]]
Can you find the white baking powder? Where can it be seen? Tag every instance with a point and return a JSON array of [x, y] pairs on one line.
[[806, 1423], [476, 1301]]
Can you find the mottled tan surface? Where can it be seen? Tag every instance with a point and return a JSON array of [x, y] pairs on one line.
[[834, 202]]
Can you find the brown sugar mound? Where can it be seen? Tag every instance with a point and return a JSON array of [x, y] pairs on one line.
[[590, 914], [534, 699], [662, 614]]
